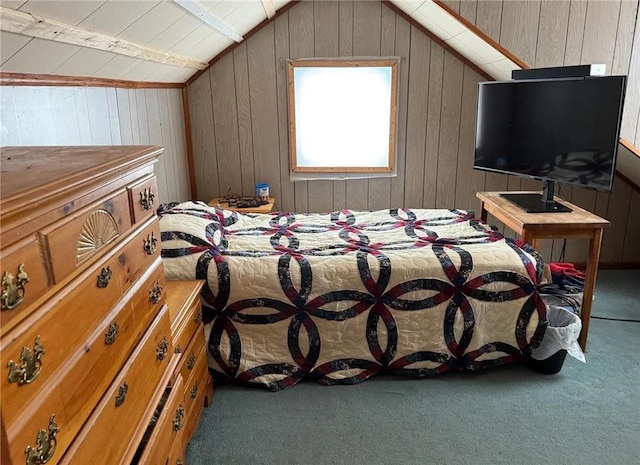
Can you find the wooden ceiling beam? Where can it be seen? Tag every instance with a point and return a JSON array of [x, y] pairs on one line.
[[57, 80], [203, 15], [269, 8], [44, 28]]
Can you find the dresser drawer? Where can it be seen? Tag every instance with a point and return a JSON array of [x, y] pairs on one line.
[[193, 385], [197, 404], [121, 412], [77, 387], [144, 199], [167, 430], [85, 234], [65, 323], [177, 455], [192, 325], [185, 321], [190, 356], [110, 346], [24, 279]]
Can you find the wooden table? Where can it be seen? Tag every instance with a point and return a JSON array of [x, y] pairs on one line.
[[532, 227], [218, 201]]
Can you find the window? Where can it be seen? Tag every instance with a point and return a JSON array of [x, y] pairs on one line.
[[342, 115]]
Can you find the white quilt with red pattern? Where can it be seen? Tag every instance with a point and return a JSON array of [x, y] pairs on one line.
[[339, 297]]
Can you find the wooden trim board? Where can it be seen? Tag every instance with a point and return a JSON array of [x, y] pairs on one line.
[[187, 135], [472, 27], [32, 25], [611, 265], [55, 80], [630, 147]]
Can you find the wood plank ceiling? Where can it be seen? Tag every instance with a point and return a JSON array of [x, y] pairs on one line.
[[162, 26], [170, 40]]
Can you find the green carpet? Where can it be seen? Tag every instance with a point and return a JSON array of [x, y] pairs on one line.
[[586, 414]]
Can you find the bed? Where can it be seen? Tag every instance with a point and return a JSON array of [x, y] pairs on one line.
[[342, 296]]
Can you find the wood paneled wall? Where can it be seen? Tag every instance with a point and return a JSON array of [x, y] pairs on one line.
[[239, 108], [562, 33], [101, 116], [239, 113]]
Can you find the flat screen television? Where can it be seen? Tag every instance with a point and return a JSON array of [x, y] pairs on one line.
[[556, 130]]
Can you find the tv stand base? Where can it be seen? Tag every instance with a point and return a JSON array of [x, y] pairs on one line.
[[533, 203]]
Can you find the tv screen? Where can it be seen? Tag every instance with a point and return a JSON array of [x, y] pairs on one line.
[[563, 130]]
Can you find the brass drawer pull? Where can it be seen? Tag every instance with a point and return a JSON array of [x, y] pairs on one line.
[[155, 293], [178, 349], [178, 419], [191, 362], [194, 390], [45, 445], [110, 336], [146, 198], [30, 364], [13, 289], [198, 316], [104, 277], [150, 244], [162, 349], [122, 394]]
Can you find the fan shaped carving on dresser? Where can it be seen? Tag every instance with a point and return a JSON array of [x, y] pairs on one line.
[[98, 230]]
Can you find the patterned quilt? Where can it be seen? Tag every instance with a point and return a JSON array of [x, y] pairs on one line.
[[339, 297]]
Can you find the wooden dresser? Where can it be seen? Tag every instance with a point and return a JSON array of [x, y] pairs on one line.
[[87, 340]]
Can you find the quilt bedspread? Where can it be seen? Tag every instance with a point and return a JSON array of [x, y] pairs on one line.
[[339, 297]]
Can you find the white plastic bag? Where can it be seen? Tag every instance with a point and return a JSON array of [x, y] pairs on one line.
[[562, 333]]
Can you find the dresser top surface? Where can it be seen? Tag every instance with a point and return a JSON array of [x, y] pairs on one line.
[[27, 168]]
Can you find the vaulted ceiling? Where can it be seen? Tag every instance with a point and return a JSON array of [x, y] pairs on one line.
[[162, 26], [170, 40]]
